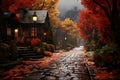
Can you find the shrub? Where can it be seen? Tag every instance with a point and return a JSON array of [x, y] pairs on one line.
[[44, 48], [39, 48], [89, 46], [108, 56]]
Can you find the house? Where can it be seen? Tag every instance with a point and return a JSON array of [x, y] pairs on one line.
[[23, 30], [26, 27]]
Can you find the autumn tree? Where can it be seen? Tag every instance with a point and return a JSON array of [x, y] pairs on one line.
[[86, 24], [71, 29], [14, 5], [108, 11], [88, 29]]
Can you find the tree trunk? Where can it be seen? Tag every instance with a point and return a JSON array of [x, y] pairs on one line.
[[115, 25]]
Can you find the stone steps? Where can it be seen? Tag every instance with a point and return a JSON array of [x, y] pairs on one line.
[[28, 53]]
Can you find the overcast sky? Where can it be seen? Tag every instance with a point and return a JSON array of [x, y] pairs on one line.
[[65, 5]]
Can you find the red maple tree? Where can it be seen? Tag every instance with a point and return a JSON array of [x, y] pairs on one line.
[[106, 13], [86, 24]]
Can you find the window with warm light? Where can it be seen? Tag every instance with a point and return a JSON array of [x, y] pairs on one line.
[[16, 30], [44, 33]]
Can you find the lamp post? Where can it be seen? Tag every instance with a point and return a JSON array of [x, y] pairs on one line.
[[34, 18]]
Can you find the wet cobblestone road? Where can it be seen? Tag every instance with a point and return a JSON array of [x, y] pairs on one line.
[[68, 67]]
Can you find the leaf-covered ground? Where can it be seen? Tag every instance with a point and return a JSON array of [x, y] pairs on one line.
[[28, 66], [102, 73]]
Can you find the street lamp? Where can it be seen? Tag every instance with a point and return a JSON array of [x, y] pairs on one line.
[[34, 18]]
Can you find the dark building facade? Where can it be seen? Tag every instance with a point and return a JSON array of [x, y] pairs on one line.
[[26, 26]]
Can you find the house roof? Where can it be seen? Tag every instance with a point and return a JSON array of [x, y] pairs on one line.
[[41, 14]]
